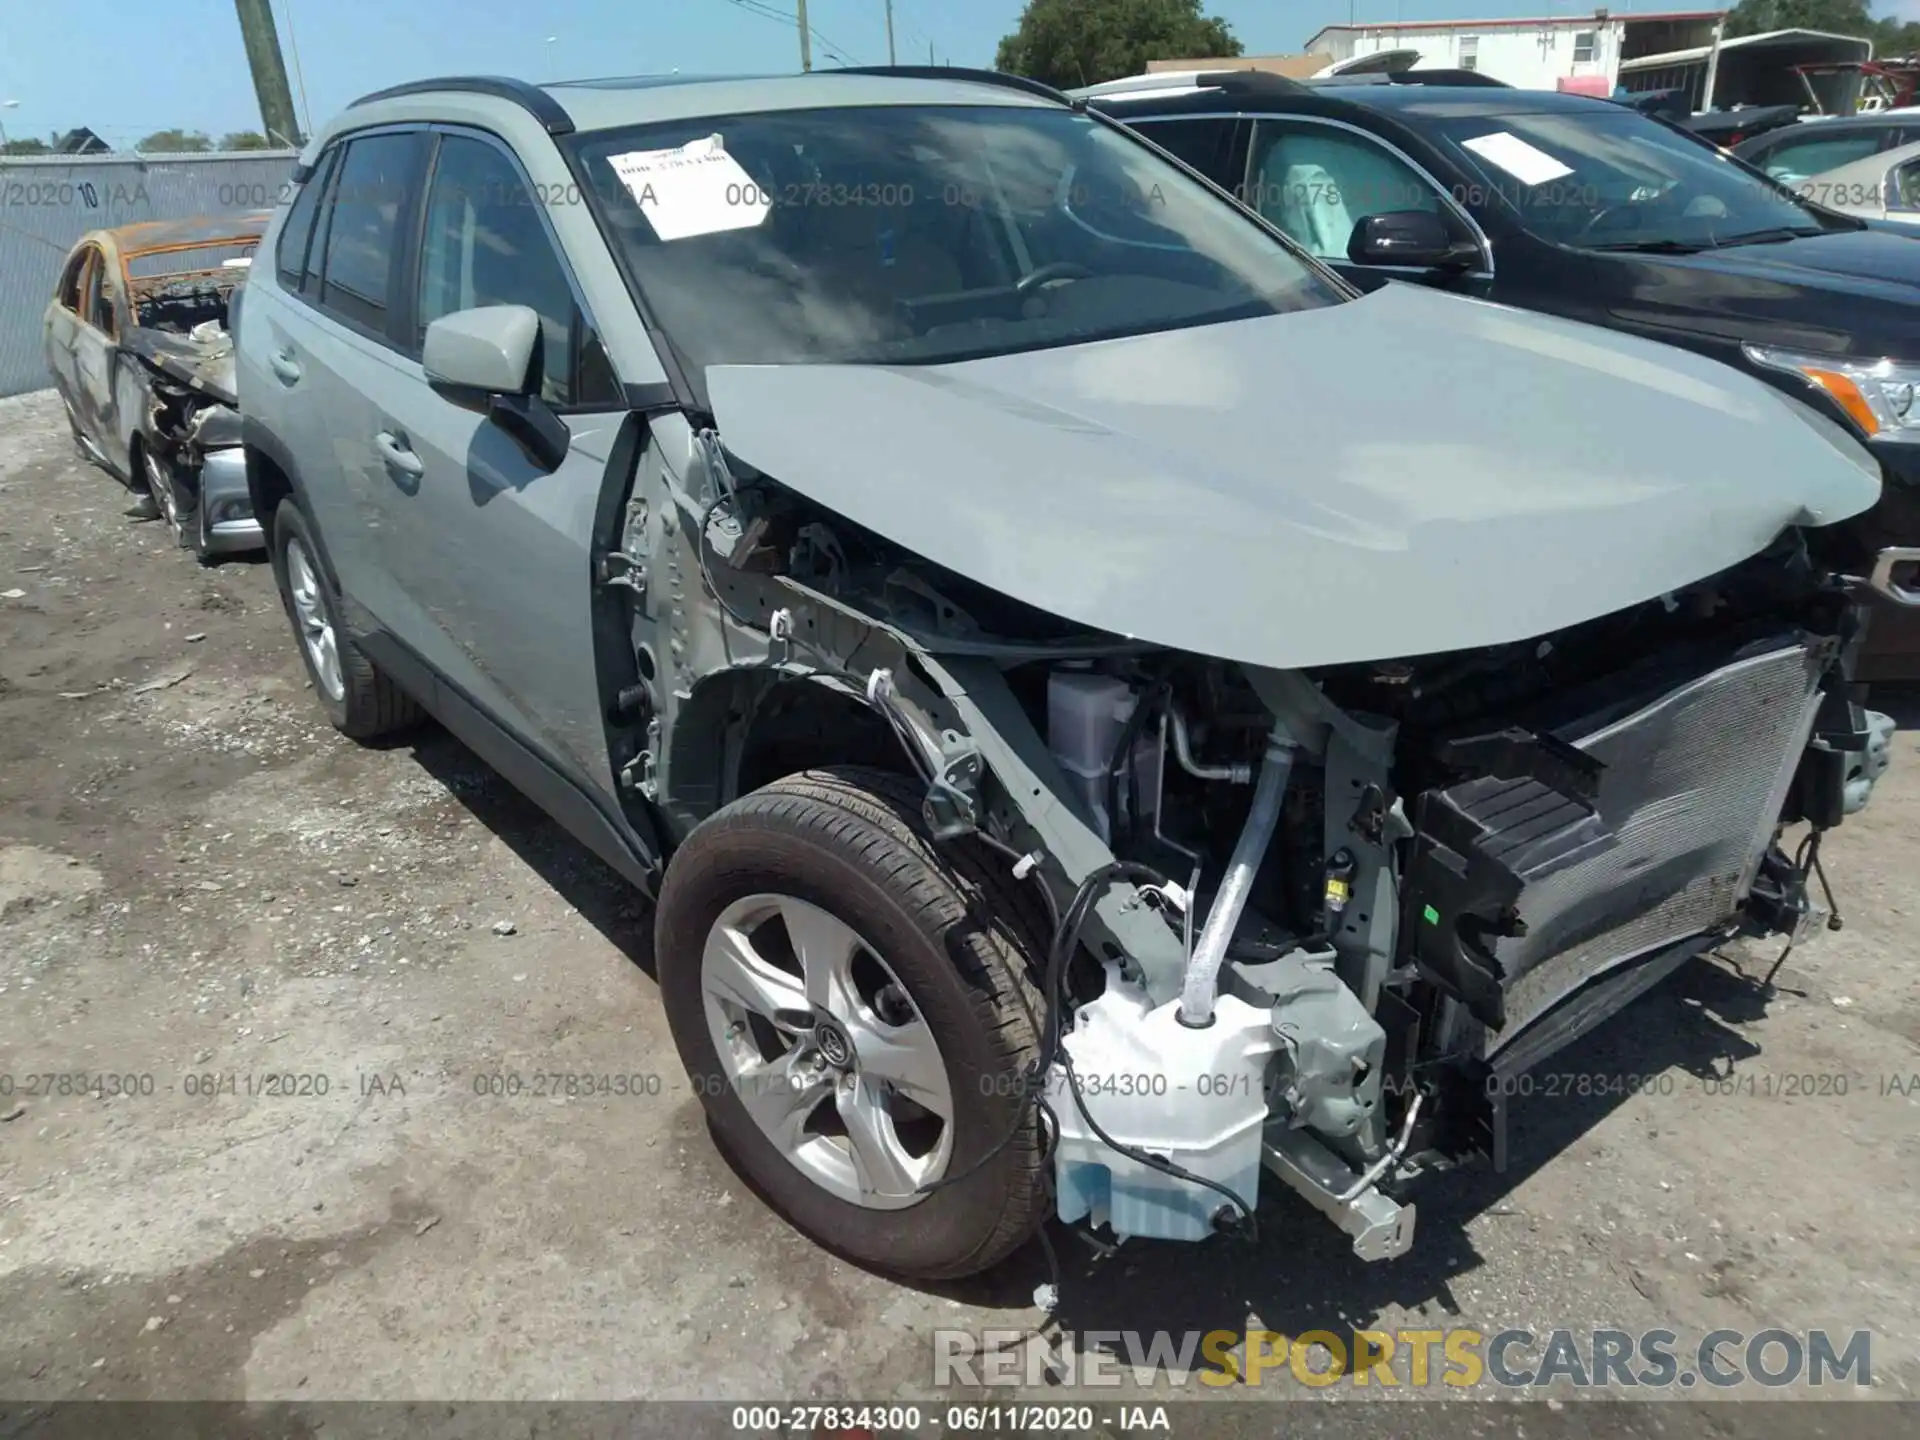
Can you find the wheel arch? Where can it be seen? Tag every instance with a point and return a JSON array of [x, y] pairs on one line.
[[132, 398], [272, 477], [267, 475], [742, 729]]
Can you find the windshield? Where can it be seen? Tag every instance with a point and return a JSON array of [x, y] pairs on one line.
[[906, 235], [1608, 179]]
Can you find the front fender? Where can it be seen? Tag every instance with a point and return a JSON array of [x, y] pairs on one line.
[[132, 409]]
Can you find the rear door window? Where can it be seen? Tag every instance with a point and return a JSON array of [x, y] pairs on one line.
[[290, 255], [322, 227], [73, 278], [1205, 144], [91, 289], [101, 295], [379, 178]]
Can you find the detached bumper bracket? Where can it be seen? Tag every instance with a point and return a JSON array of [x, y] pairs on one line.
[[1381, 1227]]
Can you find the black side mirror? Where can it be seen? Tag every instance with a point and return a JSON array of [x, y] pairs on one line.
[[1418, 239]]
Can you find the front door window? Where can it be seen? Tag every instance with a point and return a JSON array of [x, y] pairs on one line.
[[1317, 183]]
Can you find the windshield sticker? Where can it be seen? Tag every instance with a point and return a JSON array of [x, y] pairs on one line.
[[692, 189], [1528, 164]]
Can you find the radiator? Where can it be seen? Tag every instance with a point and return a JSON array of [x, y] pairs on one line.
[[1693, 786]]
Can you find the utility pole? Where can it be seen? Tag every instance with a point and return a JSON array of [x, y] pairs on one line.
[[269, 71], [806, 38], [1713, 66], [890, 59]]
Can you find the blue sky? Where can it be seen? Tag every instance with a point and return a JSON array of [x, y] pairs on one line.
[[129, 67]]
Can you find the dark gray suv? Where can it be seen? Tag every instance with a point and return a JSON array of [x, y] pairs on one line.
[[1107, 713]]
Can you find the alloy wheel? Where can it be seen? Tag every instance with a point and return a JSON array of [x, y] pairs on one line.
[[310, 615], [160, 486], [826, 1051]]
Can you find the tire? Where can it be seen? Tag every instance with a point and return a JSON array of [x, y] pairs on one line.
[[199, 541], [959, 940], [359, 699], [179, 512]]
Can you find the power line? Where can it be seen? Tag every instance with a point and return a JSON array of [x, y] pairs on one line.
[[299, 80], [792, 19], [906, 17]]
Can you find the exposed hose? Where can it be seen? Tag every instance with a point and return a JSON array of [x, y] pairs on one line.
[[919, 750], [1387, 1161], [1238, 773], [1202, 983], [1066, 939], [1156, 697], [1066, 936]]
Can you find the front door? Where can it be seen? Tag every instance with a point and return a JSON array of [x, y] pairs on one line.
[[492, 549], [1316, 181]]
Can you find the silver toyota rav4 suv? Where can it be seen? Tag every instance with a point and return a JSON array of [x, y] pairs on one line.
[[1110, 718]]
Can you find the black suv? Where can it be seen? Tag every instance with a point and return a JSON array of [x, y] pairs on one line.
[[1587, 209]]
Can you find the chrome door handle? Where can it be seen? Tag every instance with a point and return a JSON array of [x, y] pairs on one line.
[[285, 366], [398, 454]]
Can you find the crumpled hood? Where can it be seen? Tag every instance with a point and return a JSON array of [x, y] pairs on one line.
[[1402, 474]]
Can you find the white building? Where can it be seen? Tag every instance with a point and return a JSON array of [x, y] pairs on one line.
[[1581, 53]]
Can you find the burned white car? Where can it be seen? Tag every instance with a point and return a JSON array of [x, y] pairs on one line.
[[138, 342], [1110, 717]]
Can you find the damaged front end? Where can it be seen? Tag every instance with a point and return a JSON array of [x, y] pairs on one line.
[[1306, 922], [1443, 871], [184, 304]]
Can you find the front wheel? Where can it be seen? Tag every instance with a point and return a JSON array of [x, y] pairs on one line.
[[856, 1011], [179, 510]]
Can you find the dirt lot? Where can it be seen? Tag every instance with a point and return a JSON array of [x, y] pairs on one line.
[[202, 886]]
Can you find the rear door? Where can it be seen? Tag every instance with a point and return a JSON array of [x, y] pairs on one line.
[[1317, 179], [492, 549], [276, 395], [336, 355]]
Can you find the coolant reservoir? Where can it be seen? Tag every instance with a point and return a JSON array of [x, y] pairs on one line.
[[1085, 714], [1195, 1097]]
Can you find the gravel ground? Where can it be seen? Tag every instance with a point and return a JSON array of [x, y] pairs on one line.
[[202, 886]]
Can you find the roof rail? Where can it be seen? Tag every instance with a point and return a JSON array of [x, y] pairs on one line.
[[1463, 78], [1219, 77], [531, 98], [1152, 81], [958, 72]]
